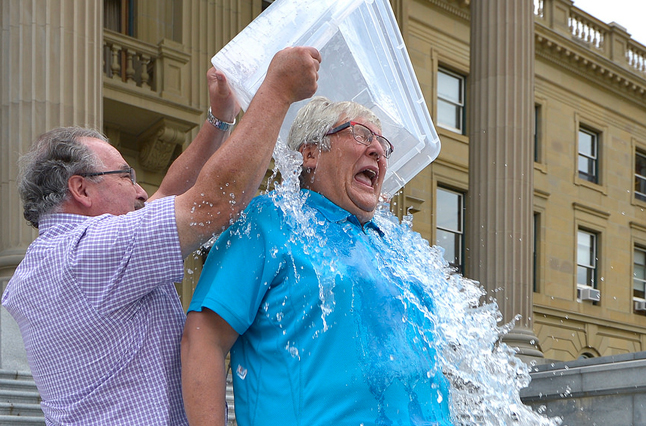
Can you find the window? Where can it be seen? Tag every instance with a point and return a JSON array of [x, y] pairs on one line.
[[639, 273], [118, 15], [588, 155], [450, 224], [450, 100], [537, 224], [640, 176], [537, 127], [586, 259]]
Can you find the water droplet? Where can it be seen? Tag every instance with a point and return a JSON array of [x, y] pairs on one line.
[[241, 372]]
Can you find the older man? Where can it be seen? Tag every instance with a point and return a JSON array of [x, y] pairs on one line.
[[319, 329], [94, 296]]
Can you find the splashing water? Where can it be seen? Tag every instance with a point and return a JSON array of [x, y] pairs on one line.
[[443, 309]]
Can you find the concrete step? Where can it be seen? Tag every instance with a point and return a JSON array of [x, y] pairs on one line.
[[21, 421], [22, 397], [20, 409], [16, 375], [18, 385]]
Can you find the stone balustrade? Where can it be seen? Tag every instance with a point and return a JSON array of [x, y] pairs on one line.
[[129, 60], [609, 40]]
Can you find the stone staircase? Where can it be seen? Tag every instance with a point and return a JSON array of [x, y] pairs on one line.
[[19, 400]]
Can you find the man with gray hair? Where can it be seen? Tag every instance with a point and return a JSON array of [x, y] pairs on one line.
[[94, 297], [316, 324]]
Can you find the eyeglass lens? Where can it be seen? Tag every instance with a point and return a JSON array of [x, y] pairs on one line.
[[364, 136]]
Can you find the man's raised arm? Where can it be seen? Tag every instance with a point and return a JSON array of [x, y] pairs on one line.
[[183, 173], [230, 178]]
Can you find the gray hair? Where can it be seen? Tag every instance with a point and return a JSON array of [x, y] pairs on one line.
[[45, 170], [319, 116]]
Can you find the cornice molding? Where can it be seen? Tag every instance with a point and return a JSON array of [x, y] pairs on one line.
[[456, 7], [641, 227], [584, 62], [590, 210]]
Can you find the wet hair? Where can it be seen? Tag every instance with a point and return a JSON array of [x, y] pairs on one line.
[[45, 170], [318, 117]]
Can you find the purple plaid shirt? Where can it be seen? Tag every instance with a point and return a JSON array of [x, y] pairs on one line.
[[100, 317]]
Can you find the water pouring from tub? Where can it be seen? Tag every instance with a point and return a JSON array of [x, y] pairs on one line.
[[441, 314]]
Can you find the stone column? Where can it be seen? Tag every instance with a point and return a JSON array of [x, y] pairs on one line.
[[499, 209], [50, 70]]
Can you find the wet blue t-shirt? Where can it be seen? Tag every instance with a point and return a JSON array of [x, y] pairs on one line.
[[327, 334]]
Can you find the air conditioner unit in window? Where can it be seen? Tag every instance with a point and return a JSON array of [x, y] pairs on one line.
[[640, 305], [588, 293]]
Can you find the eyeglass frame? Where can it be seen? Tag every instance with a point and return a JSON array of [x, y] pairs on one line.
[[129, 170], [388, 150]]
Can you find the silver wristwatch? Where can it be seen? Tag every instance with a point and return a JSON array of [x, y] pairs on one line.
[[219, 124]]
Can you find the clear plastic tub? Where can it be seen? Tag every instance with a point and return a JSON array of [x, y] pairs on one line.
[[364, 60]]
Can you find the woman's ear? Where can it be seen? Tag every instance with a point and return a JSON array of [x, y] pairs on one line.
[[78, 189]]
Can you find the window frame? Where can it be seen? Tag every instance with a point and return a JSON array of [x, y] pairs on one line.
[[639, 248], [594, 257], [594, 157], [459, 234], [461, 105], [639, 196]]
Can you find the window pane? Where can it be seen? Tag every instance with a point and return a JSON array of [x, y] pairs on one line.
[[640, 188], [640, 176], [638, 291], [112, 15], [537, 123], [448, 210], [449, 87], [586, 144], [587, 169], [640, 256], [640, 164], [639, 273], [449, 222], [584, 249], [448, 241], [584, 165], [449, 115], [639, 268], [583, 276]]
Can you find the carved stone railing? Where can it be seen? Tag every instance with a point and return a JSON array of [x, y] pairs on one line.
[[159, 69], [609, 40], [636, 55], [539, 8], [587, 29], [129, 60]]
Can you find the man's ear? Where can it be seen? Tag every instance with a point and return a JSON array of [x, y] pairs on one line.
[[311, 154], [78, 189]]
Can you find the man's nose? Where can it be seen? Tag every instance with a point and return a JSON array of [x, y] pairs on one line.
[[141, 193], [375, 149]]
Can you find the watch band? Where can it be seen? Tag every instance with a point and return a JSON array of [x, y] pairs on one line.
[[219, 124]]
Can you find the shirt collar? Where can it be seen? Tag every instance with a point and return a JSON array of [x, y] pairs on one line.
[[334, 213], [59, 220]]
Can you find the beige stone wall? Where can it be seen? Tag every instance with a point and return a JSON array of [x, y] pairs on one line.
[[576, 82]]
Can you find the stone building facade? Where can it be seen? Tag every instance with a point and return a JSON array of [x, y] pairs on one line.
[[136, 70]]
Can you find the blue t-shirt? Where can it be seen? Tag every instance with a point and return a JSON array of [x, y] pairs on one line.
[[326, 335]]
